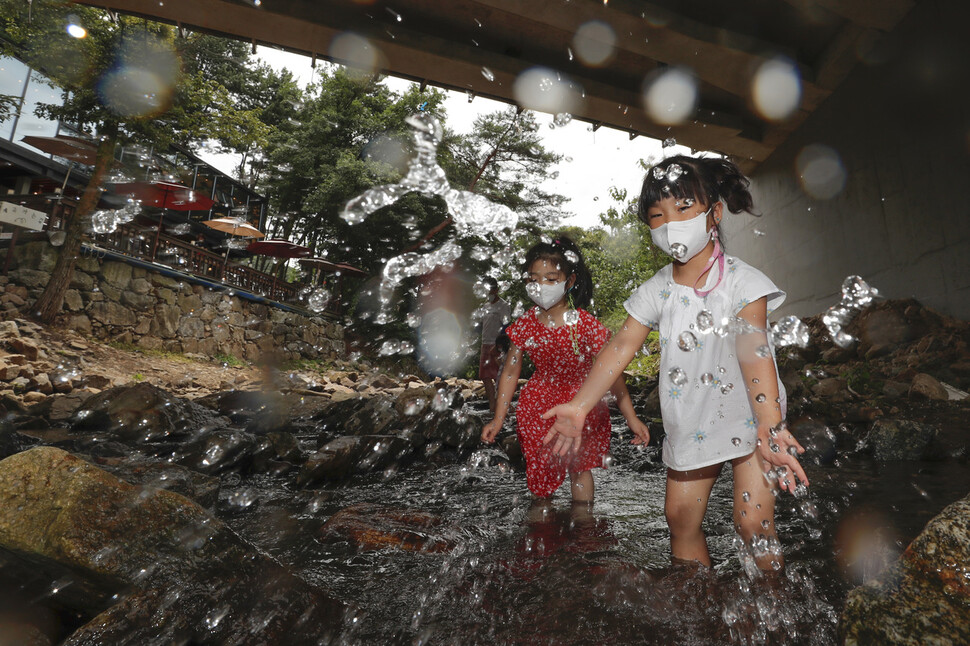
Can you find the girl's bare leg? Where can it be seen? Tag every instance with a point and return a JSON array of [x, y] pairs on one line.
[[581, 485], [685, 504], [754, 506]]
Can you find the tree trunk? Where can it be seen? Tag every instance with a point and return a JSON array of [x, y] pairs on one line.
[[48, 306]]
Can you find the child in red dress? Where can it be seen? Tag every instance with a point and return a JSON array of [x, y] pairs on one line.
[[562, 341]]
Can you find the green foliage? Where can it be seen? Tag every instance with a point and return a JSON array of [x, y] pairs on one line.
[[138, 377], [229, 360], [619, 260]]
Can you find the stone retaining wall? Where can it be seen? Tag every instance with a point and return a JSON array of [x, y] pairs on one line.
[[113, 300]]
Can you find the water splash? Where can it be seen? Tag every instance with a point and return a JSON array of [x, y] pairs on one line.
[[471, 212]]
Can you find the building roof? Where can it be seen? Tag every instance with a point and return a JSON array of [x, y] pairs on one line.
[[482, 46]]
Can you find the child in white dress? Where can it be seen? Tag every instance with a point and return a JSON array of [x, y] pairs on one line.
[[721, 397]]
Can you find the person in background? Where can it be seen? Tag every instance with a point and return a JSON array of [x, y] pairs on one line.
[[495, 314]]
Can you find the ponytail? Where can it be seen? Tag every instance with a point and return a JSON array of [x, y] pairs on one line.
[[707, 179]]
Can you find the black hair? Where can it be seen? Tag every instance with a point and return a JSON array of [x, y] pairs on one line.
[[703, 179], [564, 253]]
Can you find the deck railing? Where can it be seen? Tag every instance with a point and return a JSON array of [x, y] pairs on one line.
[[139, 242]]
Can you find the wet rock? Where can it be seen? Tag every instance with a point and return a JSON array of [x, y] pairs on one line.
[[191, 579], [818, 439], [895, 439], [923, 598], [139, 412], [377, 527], [333, 414], [376, 417], [928, 387], [198, 487], [352, 454], [220, 450], [458, 431], [273, 448], [510, 444]]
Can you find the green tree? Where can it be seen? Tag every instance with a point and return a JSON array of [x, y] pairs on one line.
[[620, 257], [123, 79]]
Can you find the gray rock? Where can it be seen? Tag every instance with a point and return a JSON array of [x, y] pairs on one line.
[[116, 274], [923, 598], [111, 313], [9, 330], [191, 327], [894, 439], [30, 278], [829, 387], [73, 301], [138, 302]]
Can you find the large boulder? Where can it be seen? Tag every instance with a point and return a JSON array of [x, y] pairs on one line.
[[925, 597], [139, 412], [188, 578]]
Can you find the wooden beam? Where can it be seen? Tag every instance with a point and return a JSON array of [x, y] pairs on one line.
[[454, 72], [723, 67], [874, 14]]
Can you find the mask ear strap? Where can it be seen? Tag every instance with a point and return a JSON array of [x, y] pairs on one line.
[[716, 257]]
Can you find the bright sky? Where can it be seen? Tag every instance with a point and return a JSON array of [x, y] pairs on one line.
[[592, 161]]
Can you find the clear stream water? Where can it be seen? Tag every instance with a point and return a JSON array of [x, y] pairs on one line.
[[522, 573]]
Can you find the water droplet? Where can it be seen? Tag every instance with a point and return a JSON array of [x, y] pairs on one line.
[[705, 322], [745, 496], [707, 379], [687, 341], [669, 142], [678, 250], [488, 74], [760, 398], [570, 317], [677, 376], [790, 330]]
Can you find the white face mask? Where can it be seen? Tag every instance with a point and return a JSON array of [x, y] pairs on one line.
[[545, 296], [683, 240]]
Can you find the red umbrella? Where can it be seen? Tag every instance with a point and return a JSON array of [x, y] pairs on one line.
[[165, 195], [278, 249], [328, 265]]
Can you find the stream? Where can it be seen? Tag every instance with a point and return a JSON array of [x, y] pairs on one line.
[[525, 572]]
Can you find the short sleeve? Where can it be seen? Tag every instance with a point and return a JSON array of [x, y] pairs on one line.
[[646, 302], [749, 285], [516, 333]]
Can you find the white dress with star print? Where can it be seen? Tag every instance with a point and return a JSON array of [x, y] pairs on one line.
[[707, 418]]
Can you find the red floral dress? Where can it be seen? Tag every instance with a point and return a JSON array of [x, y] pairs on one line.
[[559, 373]]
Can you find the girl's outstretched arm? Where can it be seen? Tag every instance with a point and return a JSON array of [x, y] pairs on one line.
[[640, 430], [508, 381], [612, 360], [776, 445]]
